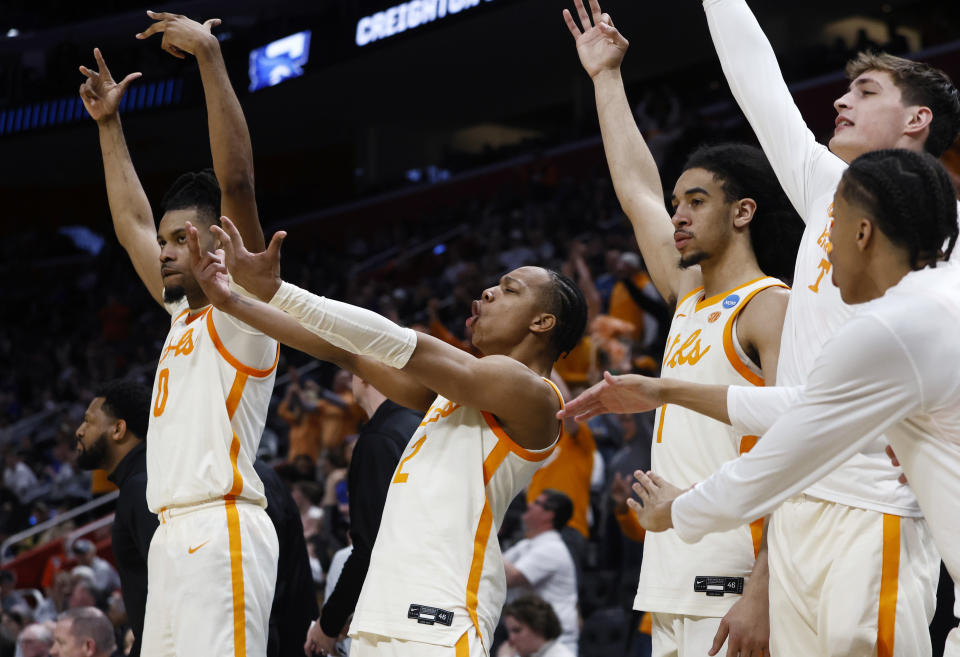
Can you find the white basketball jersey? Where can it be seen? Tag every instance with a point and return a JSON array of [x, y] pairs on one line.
[[688, 447], [436, 567], [210, 399]]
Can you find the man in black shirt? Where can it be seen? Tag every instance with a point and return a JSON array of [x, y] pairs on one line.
[[375, 457], [111, 438]]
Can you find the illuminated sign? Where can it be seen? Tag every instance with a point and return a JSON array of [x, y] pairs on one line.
[[406, 16], [279, 60]]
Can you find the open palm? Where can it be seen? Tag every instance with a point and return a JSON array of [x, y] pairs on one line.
[[101, 95], [627, 393], [600, 45]]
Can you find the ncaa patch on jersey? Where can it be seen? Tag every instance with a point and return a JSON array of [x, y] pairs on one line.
[[731, 301]]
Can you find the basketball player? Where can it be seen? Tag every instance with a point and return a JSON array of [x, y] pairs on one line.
[[436, 579], [212, 562], [731, 218], [890, 370], [890, 103]]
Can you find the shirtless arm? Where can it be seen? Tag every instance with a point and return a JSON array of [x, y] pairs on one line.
[[633, 170]]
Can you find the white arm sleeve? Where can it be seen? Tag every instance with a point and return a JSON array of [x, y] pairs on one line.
[[863, 382], [351, 328], [804, 167], [753, 409]]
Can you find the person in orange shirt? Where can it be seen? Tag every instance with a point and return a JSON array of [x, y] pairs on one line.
[[299, 411], [340, 415]]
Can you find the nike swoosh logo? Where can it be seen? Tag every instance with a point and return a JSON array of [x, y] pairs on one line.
[[191, 550]]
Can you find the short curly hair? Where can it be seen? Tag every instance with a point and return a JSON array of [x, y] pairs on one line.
[[535, 613]]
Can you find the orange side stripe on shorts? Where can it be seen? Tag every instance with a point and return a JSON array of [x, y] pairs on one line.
[[236, 579], [463, 646], [889, 576]]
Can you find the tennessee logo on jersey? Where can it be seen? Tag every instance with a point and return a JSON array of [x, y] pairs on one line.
[[183, 347], [823, 241], [689, 352]]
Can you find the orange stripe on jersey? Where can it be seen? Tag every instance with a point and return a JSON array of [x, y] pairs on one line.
[[227, 356], [703, 303], [237, 487], [480, 540], [236, 392], [522, 452], [728, 338], [663, 411], [889, 576], [177, 318], [689, 294], [493, 460], [191, 318], [236, 579], [756, 527]]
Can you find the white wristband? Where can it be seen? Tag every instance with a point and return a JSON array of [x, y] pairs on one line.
[[351, 328]]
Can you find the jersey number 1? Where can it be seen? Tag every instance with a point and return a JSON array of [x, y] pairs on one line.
[[401, 477]]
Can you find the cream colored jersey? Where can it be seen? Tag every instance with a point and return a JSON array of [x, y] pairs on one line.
[[210, 398], [436, 567], [809, 174], [688, 447]]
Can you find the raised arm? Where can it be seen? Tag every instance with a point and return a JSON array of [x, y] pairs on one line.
[[229, 137], [802, 165], [129, 207], [636, 179]]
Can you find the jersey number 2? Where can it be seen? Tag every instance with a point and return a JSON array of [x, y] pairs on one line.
[[401, 477], [163, 389]]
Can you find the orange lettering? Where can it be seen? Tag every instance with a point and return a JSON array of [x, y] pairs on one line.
[[688, 353], [183, 347], [163, 389], [824, 268], [435, 414], [401, 477]]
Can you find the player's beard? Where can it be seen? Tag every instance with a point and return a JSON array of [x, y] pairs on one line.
[[692, 259], [93, 456], [173, 294]]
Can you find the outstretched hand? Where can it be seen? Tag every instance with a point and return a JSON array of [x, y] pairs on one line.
[[181, 35], [600, 45], [626, 393], [657, 496], [258, 273], [101, 95], [208, 269]]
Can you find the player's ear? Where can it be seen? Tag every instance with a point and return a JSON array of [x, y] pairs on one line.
[[864, 233], [744, 209], [119, 430], [543, 323]]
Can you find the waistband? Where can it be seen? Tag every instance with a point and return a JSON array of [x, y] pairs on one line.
[[167, 513]]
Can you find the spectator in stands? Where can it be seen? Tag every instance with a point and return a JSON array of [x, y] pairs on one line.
[[35, 641], [84, 593], [12, 623], [298, 408], [341, 416], [18, 477], [533, 630], [83, 632], [543, 563], [58, 596], [105, 576], [9, 598], [375, 457], [111, 437], [306, 495]]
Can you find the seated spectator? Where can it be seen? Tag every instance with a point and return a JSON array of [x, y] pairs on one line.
[[84, 593], [105, 577], [542, 564], [18, 477], [12, 622], [9, 597], [35, 641], [533, 630], [58, 596], [340, 414], [83, 632]]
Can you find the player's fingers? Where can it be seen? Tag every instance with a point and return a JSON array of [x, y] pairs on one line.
[[595, 11], [231, 229], [606, 19], [193, 243], [571, 24], [152, 29], [902, 479], [101, 62], [161, 15], [587, 414], [127, 80], [582, 13], [655, 478], [211, 23], [893, 457], [273, 249], [718, 640], [93, 75], [609, 378]]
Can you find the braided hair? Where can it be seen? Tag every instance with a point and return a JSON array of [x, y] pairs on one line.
[[908, 195], [567, 303], [197, 190], [744, 172]]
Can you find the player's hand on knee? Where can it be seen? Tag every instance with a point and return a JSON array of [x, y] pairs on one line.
[[745, 628], [656, 495], [600, 46], [896, 462], [100, 94], [257, 273]]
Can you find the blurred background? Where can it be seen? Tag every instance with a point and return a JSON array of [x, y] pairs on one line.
[[410, 167]]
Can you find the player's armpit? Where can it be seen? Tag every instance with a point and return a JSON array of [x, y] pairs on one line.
[[521, 400], [760, 327]]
